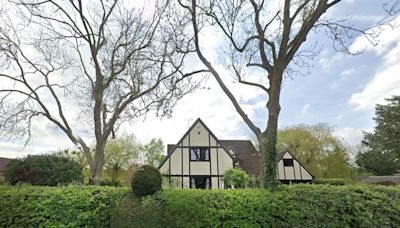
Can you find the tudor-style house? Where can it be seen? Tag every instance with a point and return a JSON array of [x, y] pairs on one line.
[[199, 160]]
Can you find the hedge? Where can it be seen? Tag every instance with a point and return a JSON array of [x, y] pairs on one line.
[[288, 206], [332, 181], [72, 206]]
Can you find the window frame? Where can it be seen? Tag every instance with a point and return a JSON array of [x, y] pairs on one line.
[[201, 149], [290, 160]]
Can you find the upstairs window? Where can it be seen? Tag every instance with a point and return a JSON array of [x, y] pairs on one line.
[[288, 162], [199, 154]]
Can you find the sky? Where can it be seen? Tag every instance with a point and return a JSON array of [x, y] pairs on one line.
[[339, 89]]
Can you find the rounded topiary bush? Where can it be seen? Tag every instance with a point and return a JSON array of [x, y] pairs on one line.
[[45, 170], [146, 181]]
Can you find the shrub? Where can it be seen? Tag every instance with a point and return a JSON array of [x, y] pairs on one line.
[[134, 212], [385, 183], [146, 181], [48, 170], [332, 181], [113, 183], [72, 206], [236, 178], [289, 206]]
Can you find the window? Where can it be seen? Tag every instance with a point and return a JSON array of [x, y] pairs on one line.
[[199, 154], [287, 162], [202, 182]]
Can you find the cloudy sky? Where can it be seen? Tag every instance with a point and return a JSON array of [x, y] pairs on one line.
[[339, 89]]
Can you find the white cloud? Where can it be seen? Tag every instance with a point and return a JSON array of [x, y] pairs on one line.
[[212, 106], [327, 60], [347, 72], [384, 84], [350, 135], [305, 108], [343, 77], [386, 79]]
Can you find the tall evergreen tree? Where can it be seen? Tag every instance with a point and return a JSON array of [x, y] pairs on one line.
[[382, 154]]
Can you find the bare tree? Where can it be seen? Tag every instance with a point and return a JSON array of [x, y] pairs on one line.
[[107, 61], [269, 36]]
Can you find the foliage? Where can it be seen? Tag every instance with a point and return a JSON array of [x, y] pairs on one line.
[[114, 183], [318, 149], [49, 170], [382, 153], [72, 206], [134, 212], [254, 182], [153, 152], [332, 181], [119, 154], [236, 178], [75, 155], [288, 206], [146, 181], [269, 174], [133, 168], [386, 183]]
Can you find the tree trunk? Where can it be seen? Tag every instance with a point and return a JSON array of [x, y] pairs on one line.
[[262, 150], [271, 133], [96, 171]]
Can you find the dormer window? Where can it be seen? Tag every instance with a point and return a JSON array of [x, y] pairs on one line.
[[199, 154]]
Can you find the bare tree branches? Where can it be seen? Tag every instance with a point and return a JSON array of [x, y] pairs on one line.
[[113, 62], [268, 35]]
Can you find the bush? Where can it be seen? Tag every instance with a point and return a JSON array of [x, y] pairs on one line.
[[146, 181], [47, 170], [289, 206], [134, 212], [332, 181], [113, 183], [236, 178], [72, 206], [385, 183]]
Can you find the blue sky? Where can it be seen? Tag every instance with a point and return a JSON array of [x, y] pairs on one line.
[[339, 89]]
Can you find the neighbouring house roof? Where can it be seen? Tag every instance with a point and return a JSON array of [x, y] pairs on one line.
[[3, 164], [245, 154], [377, 179]]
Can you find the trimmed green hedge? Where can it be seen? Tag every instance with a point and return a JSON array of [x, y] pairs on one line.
[[73, 206], [332, 181], [289, 206]]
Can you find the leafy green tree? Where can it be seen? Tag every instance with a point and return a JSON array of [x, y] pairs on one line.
[[76, 155], [324, 154], [45, 170], [153, 152], [119, 154], [236, 178], [382, 153]]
